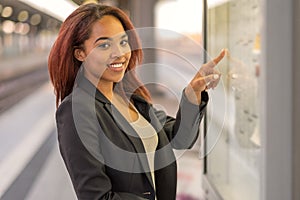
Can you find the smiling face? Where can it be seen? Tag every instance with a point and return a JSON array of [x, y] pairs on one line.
[[106, 53]]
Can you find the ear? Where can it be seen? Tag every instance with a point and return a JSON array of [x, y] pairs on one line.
[[79, 54]]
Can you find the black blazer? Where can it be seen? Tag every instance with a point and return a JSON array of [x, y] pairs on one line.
[[103, 154]]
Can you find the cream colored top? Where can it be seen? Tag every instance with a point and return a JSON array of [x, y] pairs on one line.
[[149, 138], [143, 128]]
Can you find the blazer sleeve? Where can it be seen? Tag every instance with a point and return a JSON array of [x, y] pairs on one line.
[[183, 130], [85, 168]]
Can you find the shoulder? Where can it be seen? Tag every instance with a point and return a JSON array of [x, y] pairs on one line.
[[76, 118], [76, 108], [77, 100], [64, 109]]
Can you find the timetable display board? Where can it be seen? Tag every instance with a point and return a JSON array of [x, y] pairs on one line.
[[233, 140]]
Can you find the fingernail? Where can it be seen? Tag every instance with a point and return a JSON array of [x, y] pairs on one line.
[[216, 76], [225, 50]]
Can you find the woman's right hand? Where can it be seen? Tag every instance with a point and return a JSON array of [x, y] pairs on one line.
[[207, 77]]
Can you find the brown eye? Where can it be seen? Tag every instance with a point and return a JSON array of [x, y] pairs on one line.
[[124, 43], [104, 46]]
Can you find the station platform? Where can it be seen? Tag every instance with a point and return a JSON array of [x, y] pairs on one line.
[[11, 67], [31, 167]]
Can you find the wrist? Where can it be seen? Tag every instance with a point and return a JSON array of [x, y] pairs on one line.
[[193, 96]]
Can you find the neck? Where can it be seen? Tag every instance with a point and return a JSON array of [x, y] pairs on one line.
[[106, 88]]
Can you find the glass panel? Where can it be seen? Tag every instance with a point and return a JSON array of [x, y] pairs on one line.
[[233, 140]]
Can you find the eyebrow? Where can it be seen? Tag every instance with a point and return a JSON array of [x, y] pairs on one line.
[[109, 38]]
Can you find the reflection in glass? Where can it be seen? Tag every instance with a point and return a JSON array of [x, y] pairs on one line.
[[233, 164]]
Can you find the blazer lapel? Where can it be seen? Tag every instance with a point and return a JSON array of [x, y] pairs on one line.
[[132, 137]]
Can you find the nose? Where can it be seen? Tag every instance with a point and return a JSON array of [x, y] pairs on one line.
[[116, 52]]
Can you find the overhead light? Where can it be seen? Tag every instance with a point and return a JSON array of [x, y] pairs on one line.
[[59, 9], [7, 11], [23, 16], [35, 19], [8, 26]]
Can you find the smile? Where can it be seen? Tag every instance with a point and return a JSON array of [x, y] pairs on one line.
[[116, 65]]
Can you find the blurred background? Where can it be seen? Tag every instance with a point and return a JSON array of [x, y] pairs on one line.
[[248, 146]]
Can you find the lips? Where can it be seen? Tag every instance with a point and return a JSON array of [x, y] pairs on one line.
[[115, 65]]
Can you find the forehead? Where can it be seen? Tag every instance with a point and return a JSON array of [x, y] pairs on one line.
[[107, 26]]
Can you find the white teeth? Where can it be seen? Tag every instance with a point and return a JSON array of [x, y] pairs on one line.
[[116, 65]]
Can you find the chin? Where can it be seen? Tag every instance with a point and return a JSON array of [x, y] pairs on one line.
[[118, 80]]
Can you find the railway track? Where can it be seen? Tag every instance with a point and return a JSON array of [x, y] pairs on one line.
[[17, 88]]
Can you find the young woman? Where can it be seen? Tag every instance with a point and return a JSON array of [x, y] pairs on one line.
[[115, 145]]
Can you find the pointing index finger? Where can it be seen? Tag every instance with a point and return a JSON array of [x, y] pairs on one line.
[[217, 59]]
